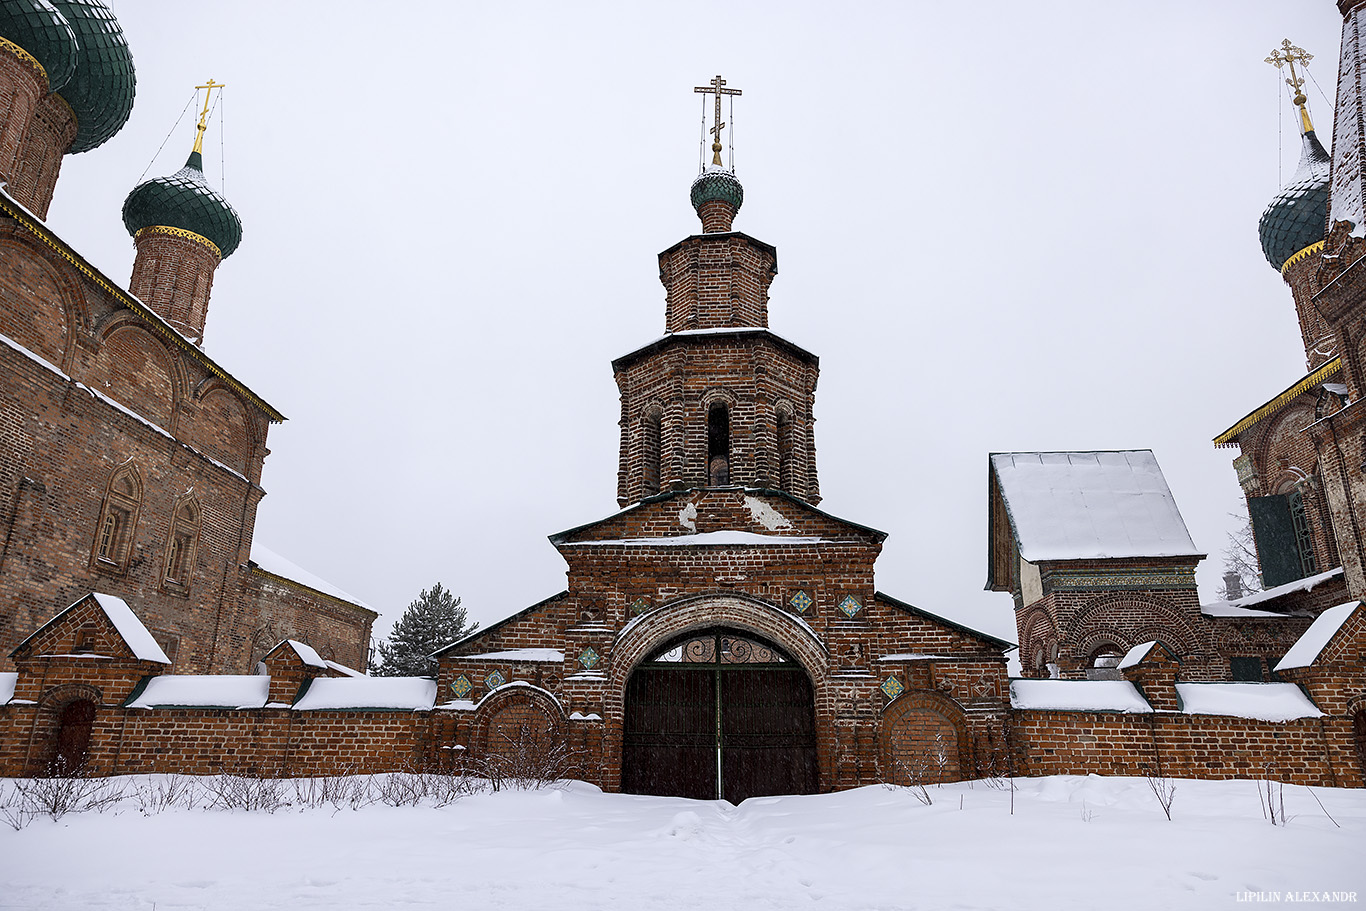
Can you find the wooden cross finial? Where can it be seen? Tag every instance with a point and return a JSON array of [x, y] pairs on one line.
[[1288, 55], [716, 87], [204, 114]]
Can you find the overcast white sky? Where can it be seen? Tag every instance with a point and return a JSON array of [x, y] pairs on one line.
[[1001, 225]]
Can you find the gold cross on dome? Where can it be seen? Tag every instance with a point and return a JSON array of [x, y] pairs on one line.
[[716, 87], [1288, 55], [204, 114]]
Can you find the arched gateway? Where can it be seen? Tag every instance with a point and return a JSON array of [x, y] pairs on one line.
[[719, 713]]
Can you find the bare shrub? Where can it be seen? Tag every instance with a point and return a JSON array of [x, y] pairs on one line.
[[525, 761], [164, 792], [247, 791], [907, 776], [1164, 789], [346, 791], [1271, 795]]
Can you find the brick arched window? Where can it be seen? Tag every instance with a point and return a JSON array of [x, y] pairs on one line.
[[650, 450], [182, 543], [785, 447], [118, 519], [718, 444]]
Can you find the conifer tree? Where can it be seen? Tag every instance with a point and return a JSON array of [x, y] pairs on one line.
[[434, 619]]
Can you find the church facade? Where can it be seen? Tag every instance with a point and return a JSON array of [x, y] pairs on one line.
[[130, 460], [719, 637]]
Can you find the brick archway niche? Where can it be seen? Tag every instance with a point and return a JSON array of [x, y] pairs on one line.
[[652, 630]]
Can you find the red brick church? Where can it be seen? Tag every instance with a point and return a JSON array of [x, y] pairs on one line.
[[720, 636]]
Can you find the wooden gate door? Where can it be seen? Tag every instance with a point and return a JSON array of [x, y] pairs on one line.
[[73, 736], [719, 715]]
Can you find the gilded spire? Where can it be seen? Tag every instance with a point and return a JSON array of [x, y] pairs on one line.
[[1288, 55]]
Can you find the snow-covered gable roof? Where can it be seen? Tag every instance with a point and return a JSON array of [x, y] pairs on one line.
[[1259, 701], [1314, 640], [307, 653], [1090, 505], [1077, 696], [222, 691], [124, 621], [1136, 654], [401, 693], [276, 565]]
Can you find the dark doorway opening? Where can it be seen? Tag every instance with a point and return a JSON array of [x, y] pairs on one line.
[[719, 714], [73, 737]]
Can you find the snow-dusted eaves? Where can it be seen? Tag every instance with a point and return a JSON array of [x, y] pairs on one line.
[[343, 669], [221, 691], [276, 565], [1077, 696], [1090, 505], [1241, 607], [714, 538], [1258, 701], [1310, 645], [307, 653], [547, 655], [397, 693]]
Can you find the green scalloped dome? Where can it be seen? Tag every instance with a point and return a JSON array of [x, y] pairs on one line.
[[716, 184], [186, 201], [42, 31], [102, 88], [1298, 216]]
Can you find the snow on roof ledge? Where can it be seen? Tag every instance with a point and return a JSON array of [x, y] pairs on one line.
[[398, 693], [1090, 505], [1310, 645], [275, 564], [307, 653], [1258, 701], [1241, 607], [139, 640], [222, 691], [1077, 696], [1136, 654], [547, 655]]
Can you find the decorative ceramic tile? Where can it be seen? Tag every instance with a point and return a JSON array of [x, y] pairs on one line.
[[892, 688], [850, 606], [461, 686], [495, 680], [588, 658], [639, 606], [801, 602]]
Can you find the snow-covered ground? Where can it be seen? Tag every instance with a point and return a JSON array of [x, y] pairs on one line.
[[1071, 843]]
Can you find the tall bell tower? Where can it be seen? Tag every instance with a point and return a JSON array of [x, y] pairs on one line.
[[719, 400]]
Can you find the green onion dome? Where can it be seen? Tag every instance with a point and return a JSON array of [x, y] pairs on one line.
[[184, 201], [44, 34], [101, 90], [1298, 215], [716, 183]]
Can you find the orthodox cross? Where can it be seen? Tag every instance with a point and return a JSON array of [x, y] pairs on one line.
[[204, 114], [1290, 55], [716, 87]]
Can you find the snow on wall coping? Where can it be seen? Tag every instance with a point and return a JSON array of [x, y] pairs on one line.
[[343, 669], [401, 693], [1136, 654], [272, 562], [580, 716], [144, 647], [232, 691], [8, 679], [1237, 607], [1258, 701], [1077, 696], [1307, 648], [547, 655], [1090, 505], [731, 538], [307, 654]]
